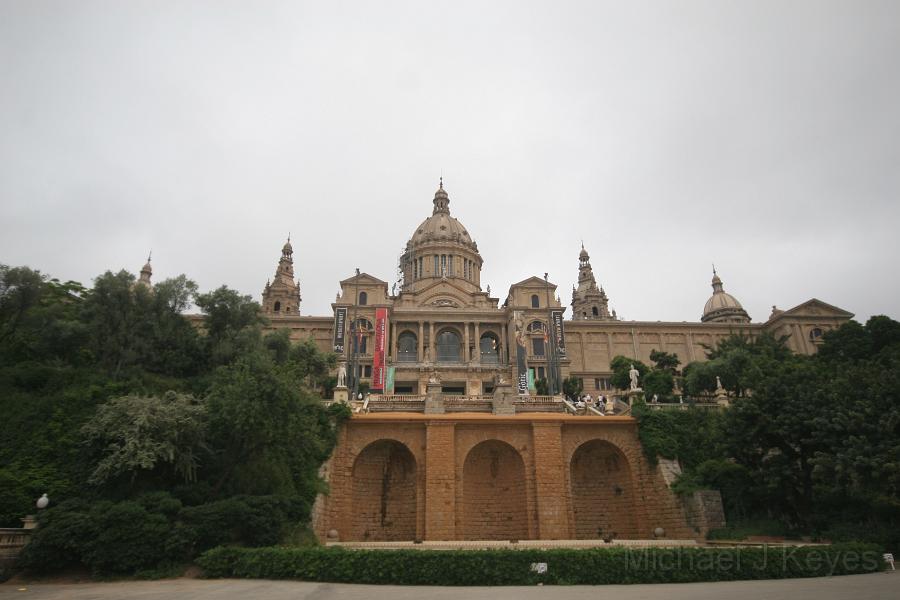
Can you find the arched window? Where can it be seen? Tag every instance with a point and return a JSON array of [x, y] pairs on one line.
[[535, 327], [448, 347], [489, 347], [595, 311], [277, 307], [535, 301], [407, 347], [363, 298]]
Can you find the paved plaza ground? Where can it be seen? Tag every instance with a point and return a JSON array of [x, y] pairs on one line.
[[876, 586]]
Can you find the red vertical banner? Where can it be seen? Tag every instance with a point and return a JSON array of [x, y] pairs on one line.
[[379, 355]]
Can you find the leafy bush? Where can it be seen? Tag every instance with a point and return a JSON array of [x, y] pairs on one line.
[[153, 531], [617, 565], [249, 520]]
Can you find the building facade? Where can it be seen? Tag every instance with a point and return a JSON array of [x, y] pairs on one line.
[[449, 455], [440, 320]]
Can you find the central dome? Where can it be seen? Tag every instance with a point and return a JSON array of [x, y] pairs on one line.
[[441, 248], [440, 226]]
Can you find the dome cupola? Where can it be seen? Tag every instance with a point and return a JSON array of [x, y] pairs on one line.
[[441, 247], [722, 307]]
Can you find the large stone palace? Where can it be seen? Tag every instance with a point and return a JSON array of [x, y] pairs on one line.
[[455, 444], [441, 320]]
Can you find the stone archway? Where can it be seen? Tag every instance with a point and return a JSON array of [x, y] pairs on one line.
[[493, 500], [383, 505], [602, 494]]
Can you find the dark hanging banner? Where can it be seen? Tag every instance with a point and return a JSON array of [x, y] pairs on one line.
[[559, 334], [340, 324]]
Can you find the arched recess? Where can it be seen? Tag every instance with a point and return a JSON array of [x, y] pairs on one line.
[[489, 347], [602, 492], [449, 347], [407, 347], [383, 506], [493, 501]]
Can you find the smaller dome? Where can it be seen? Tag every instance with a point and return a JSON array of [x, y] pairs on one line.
[[287, 248], [722, 306], [583, 255]]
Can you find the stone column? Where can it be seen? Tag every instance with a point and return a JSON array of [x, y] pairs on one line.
[[440, 481], [432, 347], [609, 345], [504, 355], [421, 343], [477, 344], [393, 349], [554, 502], [466, 356]]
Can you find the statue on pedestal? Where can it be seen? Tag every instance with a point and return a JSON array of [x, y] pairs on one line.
[[633, 374], [719, 389], [342, 374]]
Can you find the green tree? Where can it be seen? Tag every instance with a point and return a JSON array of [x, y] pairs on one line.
[[232, 324], [143, 435], [664, 360], [573, 386], [659, 383], [270, 433]]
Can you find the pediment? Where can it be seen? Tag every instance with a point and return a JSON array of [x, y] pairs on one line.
[[363, 279], [442, 294], [816, 308], [533, 282]]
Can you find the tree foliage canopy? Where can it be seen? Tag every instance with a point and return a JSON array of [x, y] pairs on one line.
[[110, 394]]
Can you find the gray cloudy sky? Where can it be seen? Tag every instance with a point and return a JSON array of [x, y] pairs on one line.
[[763, 136]]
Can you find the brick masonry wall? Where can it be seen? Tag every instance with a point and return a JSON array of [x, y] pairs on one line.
[[384, 493], [602, 492], [493, 494], [536, 476]]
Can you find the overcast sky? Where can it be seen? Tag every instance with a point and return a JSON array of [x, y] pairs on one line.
[[762, 136]]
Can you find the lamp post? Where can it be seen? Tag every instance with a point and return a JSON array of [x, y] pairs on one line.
[[551, 370], [354, 356]]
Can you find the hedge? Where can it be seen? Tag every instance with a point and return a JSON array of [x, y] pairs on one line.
[[614, 565]]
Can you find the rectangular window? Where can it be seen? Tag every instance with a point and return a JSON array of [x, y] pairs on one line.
[[368, 371], [466, 269], [415, 269], [421, 267], [437, 266], [450, 265], [596, 383], [443, 264], [540, 372]]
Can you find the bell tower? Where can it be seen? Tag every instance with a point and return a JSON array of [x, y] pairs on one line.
[[281, 297]]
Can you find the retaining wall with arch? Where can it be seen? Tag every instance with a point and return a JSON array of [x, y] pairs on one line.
[[406, 477]]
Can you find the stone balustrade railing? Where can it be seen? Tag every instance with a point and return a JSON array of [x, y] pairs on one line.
[[12, 540]]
